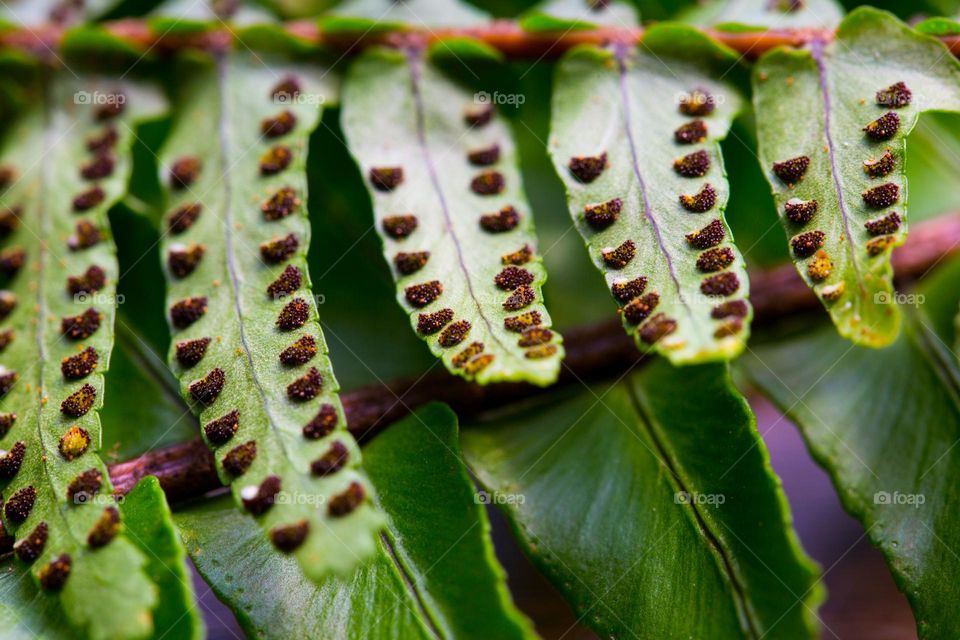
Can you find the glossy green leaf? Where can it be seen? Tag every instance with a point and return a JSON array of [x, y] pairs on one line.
[[568, 15], [680, 281], [938, 27], [727, 15], [884, 424], [434, 576], [387, 15], [456, 227], [652, 507], [247, 299], [817, 104], [58, 330]]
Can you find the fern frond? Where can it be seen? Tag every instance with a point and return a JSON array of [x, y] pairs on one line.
[[735, 15], [568, 15]]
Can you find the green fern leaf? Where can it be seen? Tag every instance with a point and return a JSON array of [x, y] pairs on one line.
[[737, 15], [248, 348], [387, 15], [635, 139], [832, 122], [456, 227], [568, 15], [66, 162]]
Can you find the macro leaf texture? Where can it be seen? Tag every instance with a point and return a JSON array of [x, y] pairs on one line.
[[834, 118], [69, 156], [456, 227], [635, 138], [37, 12], [435, 574], [671, 526], [734, 15], [884, 424], [385, 15], [248, 348], [564, 15]]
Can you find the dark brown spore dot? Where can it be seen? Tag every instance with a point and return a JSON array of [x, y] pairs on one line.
[[806, 244], [539, 352], [184, 217], [74, 443], [730, 327], [184, 171], [600, 216], [8, 176], [691, 132], [294, 315], [105, 529], [187, 311], [79, 365], [279, 249], [800, 211], [54, 574], [181, 261], [281, 204], [693, 165], [522, 255], [586, 169], [222, 429], [86, 235], [420, 295], [30, 548], [103, 141], [698, 102], [346, 502], [518, 323], [8, 302], [429, 323], [331, 461], [12, 260], [478, 115], [11, 460], [889, 223], [88, 199], [286, 283], [488, 183], [275, 160], [386, 178], [407, 263], [20, 504], [101, 166], [322, 424], [287, 538], [881, 167], [86, 485], [621, 256], [786, 6], [722, 284], [238, 460], [656, 328], [306, 387], [735, 308], [6, 423], [261, 501], [880, 244], [882, 196], [79, 402], [700, 202], [279, 125], [504, 220], [638, 309], [286, 90], [190, 352], [884, 127], [6, 337], [300, 352], [82, 326], [400, 226], [455, 334], [484, 157], [791, 171], [522, 297], [535, 336], [93, 279], [9, 220], [7, 380], [512, 277], [710, 236], [895, 96], [112, 107], [208, 388], [471, 351], [715, 259], [626, 290]]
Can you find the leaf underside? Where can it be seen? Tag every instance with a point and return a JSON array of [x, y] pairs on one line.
[[435, 574], [614, 494], [564, 15], [767, 14], [658, 256], [39, 12], [259, 378], [482, 311], [815, 104], [374, 15], [69, 268]]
